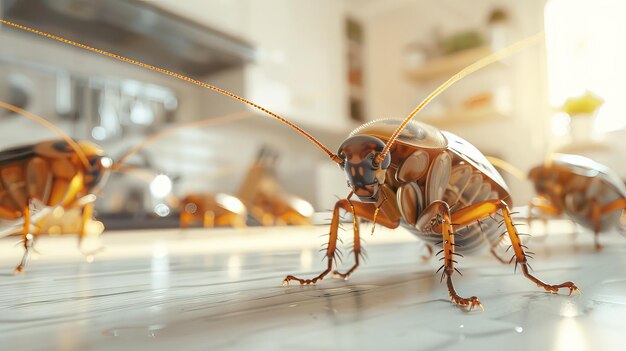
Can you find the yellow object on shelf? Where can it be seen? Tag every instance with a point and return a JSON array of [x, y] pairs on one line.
[[585, 104], [455, 117]]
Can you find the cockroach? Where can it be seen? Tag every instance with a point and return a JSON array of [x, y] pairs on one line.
[[586, 191], [269, 204], [54, 173], [60, 174], [408, 173], [260, 196]]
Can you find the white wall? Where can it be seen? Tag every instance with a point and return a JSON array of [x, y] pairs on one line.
[[521, 137], [300, 70]]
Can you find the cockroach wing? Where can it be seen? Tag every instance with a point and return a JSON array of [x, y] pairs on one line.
[[589, 168], [415, 134], [54, 149], [471, 155], [46, 149], [15, 154]]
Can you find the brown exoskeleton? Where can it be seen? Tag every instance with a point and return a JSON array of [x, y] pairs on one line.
[[411, 174], [588, 192]]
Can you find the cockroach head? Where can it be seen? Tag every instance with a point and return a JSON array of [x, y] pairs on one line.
[[364, 174], [99, 164]]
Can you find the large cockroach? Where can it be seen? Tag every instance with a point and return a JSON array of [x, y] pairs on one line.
[[407, 173], [62, 174], [586, 191]]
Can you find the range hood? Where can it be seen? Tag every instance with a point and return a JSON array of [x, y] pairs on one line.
[[135, 29]]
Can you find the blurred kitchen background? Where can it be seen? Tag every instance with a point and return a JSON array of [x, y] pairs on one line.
[[326, 65]]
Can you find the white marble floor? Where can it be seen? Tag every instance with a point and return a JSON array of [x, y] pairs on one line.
[[206, 290]]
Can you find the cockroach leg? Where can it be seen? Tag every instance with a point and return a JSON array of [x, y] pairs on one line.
[[185, 219], [27, 240], [356, 245], [208, 220], [494, 253], [430, 254], [545, 208], [367, 211], [236, 221], [483, 209], [39, 227], [330, 250], [358, 210], [444, 225], [614, 206], [597, 212], [87, 214], [363, 209]]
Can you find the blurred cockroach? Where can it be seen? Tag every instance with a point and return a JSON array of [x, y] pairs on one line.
[[260, 196], [268, 203], [59, 173], [53, 173], [588, 192], [410, 174]]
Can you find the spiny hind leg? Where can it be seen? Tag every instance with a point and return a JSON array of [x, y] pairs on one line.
[[480, 210], [331, 249], [358, 209], [356, 246], [371, 213], [438, 213]]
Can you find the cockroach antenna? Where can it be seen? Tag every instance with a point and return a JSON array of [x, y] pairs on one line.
[[332, 155], [485, 61], [44, 122]]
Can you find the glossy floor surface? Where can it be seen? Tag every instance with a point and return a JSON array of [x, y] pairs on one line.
[[202, 290]]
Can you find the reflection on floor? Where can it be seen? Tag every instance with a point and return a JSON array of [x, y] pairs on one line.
[[201, 290]]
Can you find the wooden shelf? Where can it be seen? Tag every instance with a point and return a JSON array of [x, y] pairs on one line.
[[448, 65], [466, 116], [584, 146]]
